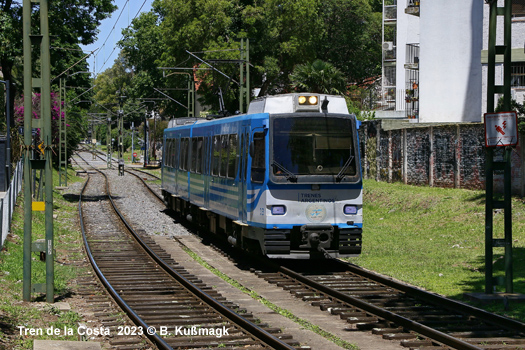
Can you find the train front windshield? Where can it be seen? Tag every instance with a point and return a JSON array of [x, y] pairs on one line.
[[314, 149]]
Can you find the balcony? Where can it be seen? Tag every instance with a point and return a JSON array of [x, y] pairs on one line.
[[412, 81], [390, 14], [412, 56], [412, 8]]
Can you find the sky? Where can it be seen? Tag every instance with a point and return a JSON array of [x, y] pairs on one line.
[[110, 32]]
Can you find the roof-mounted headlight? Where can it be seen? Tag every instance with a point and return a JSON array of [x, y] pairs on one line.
[[307, 103]]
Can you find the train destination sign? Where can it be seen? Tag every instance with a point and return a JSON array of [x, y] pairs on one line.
[[501, 129]]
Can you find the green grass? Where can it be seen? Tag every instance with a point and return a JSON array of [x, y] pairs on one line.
[[435, 238], [14, 312]]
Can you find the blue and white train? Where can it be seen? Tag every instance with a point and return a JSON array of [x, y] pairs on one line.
[[283, 180]]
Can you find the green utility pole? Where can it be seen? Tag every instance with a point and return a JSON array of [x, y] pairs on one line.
[[244, 88], [191, 96], [505, 165], [8, 136], [93, 139], [28, 90], [108, 142], [62, 143], [121, 136], [48, 150], [44, 124]]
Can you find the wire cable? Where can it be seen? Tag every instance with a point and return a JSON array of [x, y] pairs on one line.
[[114, 26]]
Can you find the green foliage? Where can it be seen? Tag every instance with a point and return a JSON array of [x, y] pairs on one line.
[[514, 106], [519, 108], [283, 35], [319, 77], [71, 23], [352, 37]]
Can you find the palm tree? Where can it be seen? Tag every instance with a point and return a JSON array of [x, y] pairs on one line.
[[319, 77]]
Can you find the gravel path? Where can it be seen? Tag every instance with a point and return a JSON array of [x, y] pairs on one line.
[[140, 207]]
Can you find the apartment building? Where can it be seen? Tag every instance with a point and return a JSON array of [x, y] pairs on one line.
[[435, 59]]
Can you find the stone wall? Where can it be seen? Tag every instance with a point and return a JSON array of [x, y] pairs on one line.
[[449, 155]]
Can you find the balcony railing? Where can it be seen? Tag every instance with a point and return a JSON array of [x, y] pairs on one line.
[[390, 14], [412, 56], [412, 93]]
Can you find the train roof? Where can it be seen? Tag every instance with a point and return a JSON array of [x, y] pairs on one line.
[[285, 103], [291, 103]]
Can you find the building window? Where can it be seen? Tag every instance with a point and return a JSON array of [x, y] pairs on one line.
[[518, 75]]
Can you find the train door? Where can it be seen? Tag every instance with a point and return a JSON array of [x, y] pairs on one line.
[[243, 166]]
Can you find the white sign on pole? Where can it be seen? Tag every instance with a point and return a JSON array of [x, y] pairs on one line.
[[501, 129]]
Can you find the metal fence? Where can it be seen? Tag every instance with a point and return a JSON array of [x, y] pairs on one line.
[[7, 204]]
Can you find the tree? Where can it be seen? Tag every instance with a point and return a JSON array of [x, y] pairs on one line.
[[352, 38], [74, 122], [71, 22], [283, 34], [318, 76]]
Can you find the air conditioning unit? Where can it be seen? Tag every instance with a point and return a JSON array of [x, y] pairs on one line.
[[388, 46]]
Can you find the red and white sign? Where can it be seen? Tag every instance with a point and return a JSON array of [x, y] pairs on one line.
[[135, 154], [501, 129]]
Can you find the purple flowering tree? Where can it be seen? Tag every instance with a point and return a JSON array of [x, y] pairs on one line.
[[55, 115]]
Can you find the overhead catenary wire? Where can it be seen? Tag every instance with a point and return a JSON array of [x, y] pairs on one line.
[[111, 32]]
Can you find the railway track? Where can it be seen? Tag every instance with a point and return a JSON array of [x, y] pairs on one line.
[[396, 311], [159, 295]]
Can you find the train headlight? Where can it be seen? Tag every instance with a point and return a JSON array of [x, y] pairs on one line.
[[307, 103], [278, 210], [350, 210], [307, 100]]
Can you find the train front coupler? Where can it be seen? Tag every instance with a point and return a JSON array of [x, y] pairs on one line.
[[315, 236]]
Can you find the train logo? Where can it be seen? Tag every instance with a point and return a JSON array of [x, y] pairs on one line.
[[315, 212]]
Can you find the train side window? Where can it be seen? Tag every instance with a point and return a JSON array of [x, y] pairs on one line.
[[216, 158], [169, 156], [198, 155], [204, 158], [224, 155], [193, 164], [166, 160], [245, 162], [184, 153], [175, 160], [233, 160], [258, 160]]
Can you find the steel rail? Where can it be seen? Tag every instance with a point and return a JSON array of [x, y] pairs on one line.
[[145, 172], [483, 315], [265, 337], [145, 184], [248, 326], [399, 320], [118, 299]]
